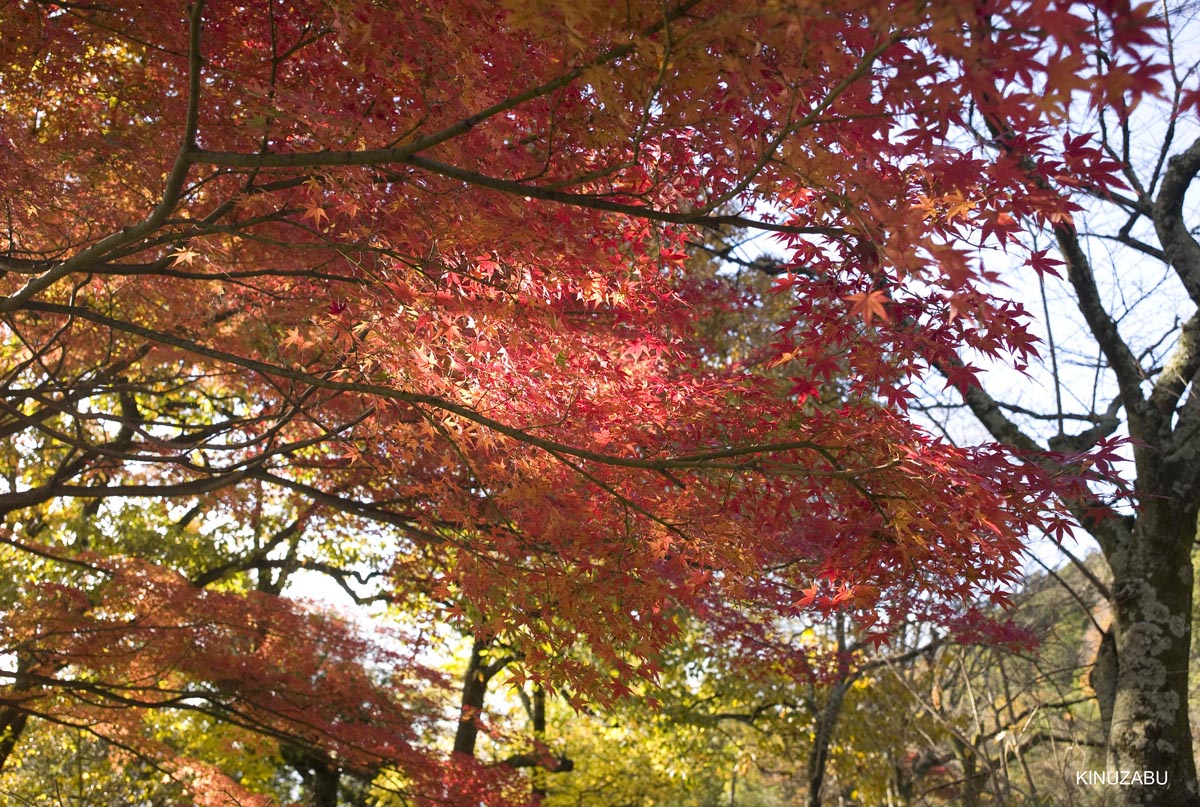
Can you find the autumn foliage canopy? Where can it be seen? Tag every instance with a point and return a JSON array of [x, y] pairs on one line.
[[404, 293]]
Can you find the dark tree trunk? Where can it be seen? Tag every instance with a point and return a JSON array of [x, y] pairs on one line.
[[826, 724], [14, 719], [538, 775], [974, 778], [481, 669], [325, 785], [1152, 593], [474, 690], [12, 725]]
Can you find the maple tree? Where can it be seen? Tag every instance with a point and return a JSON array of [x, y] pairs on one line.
[[410, 286]]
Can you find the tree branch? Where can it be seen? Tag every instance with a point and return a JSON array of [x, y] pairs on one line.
[[696, 461], [1181, 366], [172, 189], [1181, 250], [1120, 358]]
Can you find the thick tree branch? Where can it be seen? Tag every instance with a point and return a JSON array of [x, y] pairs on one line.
[[1180, 248], [989, 413], [601, 203], [1120, 358], [1180, 368], [355, 506]]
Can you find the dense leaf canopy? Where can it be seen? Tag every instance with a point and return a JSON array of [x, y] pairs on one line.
[[401, 293]]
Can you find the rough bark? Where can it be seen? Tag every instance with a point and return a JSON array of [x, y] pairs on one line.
[[1152, 563], [1152, 594]]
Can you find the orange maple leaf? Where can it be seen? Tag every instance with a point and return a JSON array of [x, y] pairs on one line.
[[317, 214], [184, 256], [870, 304]]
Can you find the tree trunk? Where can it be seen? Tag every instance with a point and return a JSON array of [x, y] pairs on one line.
[[13, 718], [826, 723], [974, 779], [325, 784], [1152, 593], [474, 690], [538, 774], [1103, 679], [12, 725], [481, 669]]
